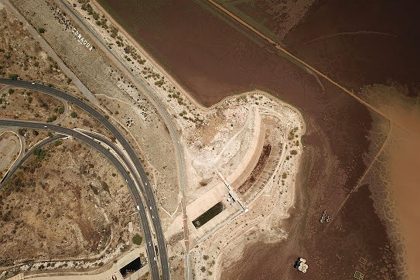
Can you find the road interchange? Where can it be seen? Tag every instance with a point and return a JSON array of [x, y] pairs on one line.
[[139, 175], [21, 160], [118, 165]]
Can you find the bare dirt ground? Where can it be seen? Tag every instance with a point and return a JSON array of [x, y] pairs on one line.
[[10, 148], [64, 206], [26, 105], [30, 137], [167, 192]]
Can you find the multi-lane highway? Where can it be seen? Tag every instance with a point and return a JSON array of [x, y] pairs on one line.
[[140, 174], [118, 165]]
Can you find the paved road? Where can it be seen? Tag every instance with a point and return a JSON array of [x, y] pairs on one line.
[[121, 169], [19, 162], [141, 176]]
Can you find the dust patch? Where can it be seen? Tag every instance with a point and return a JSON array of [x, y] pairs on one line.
[[399, 169]]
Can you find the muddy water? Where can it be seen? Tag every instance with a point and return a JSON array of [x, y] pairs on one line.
[[213, 58]]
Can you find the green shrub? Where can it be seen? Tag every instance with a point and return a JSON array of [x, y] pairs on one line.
[[40, 153], [52, 118], [14, 76], [60, 110], [137, 239]]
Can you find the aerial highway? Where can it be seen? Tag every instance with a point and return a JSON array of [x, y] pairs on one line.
[[118, 165], [146, 186]]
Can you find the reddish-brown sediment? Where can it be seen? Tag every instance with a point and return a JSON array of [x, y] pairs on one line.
[[351, 243], [213, 58], [262, 160], [361, 42]]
